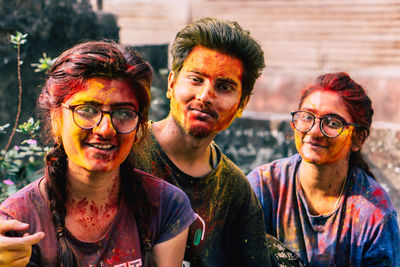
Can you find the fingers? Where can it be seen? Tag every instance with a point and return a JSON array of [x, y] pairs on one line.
[[33, 239], [16, 251], [12, 225], [15, 258], [20, 243]]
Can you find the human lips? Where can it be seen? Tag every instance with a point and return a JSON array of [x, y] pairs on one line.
[[316, 143], [204, 111], [102, 146]]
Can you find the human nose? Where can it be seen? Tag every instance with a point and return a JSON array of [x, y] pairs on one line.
[[316, 128], [206, 92], [105, 127]]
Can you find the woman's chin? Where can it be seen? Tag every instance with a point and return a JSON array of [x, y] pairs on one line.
[[314, 158]]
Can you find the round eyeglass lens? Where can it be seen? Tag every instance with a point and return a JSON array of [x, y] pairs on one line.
[[124, 120], [87, 116], [331, 126], [303, 121]]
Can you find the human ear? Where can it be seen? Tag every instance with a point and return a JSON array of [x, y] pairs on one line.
[[171, 83], [56, 124], [291, 125], [357, 140], [242, 106]]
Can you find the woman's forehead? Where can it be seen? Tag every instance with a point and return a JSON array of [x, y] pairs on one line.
[[326, 102], [105, 91]]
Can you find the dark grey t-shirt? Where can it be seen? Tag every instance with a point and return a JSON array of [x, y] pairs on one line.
[[234, 224]]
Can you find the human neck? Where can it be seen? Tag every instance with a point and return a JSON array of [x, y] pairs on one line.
[[322, 185], [93, 186], [92, 203], [190, 154]]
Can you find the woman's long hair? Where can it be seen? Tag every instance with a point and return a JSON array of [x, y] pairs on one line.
[[357, 102], [66, 77]]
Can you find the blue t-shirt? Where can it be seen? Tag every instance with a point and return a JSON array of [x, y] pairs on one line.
[[120, 246], [361, 231]]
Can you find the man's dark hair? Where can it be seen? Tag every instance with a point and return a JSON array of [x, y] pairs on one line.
[[226, 37]]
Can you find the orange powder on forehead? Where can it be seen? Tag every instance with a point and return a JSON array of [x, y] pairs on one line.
[[216, 63]]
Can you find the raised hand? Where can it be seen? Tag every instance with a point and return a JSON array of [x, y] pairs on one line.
[[16, 251]]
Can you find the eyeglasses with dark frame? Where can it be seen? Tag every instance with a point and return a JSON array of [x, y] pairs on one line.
[[330, 126], [88, 116]]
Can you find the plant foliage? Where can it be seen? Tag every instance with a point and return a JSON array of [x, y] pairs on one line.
[[22, 163]]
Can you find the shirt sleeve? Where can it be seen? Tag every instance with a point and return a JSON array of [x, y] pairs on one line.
[[258, 184], [255, 182], [384, 249], [176, 213]]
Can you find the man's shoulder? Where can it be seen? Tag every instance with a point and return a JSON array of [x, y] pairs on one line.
[[228, 173], [229, 166], [147, 154], [145, 139]]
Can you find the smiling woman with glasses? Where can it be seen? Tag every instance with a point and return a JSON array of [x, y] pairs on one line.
[[324, 203], [92, 207]]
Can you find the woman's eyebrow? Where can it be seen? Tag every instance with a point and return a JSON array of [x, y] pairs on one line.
[[331, 114], [119, 104], [98, 103], [83, 101]]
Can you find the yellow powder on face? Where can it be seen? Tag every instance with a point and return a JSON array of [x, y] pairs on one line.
[[337, 148], [104, 92], [95, 86], [341, 147]]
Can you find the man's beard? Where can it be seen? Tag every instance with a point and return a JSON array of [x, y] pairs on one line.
[[197, 132]]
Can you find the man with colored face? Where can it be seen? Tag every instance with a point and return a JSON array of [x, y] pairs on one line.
[[215, 65]]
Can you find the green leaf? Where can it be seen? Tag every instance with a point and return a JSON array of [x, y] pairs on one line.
[[2, 128], [45, 63], [18, 38]]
